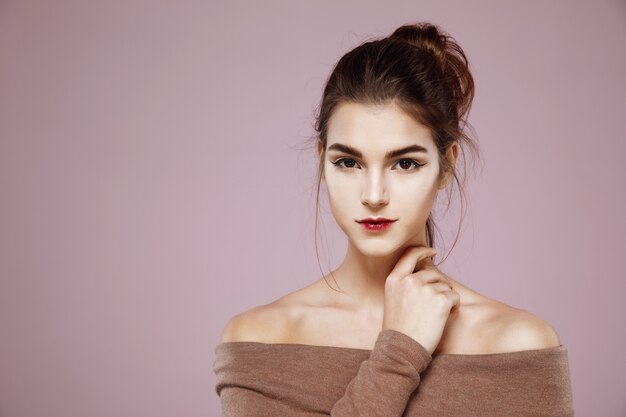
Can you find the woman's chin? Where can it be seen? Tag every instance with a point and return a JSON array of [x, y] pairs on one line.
[[373, 249]]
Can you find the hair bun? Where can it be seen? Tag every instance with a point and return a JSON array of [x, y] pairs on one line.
[[449, 56], [426, 36]]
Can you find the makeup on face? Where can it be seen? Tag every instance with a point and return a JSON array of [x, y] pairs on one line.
[[379, 224], [379, 166], [376, 227]]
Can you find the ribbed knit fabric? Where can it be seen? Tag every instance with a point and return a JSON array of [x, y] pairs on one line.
[[398, 377]]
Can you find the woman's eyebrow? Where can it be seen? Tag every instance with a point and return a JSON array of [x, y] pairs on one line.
[[390, 154]]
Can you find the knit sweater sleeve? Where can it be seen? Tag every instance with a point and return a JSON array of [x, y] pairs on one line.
[[386, 380]]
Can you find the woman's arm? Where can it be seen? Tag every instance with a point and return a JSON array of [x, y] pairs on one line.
[[385, 381]]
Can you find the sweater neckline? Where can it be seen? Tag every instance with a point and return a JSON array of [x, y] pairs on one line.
[[366, 352]]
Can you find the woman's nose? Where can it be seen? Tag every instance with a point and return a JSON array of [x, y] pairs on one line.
[[374, 192]]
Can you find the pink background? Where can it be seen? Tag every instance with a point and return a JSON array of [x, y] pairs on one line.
[[153, 183]]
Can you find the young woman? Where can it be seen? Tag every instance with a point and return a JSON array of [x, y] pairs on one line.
[[394, 335]]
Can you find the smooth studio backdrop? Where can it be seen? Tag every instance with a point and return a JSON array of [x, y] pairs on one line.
[[154, 182]]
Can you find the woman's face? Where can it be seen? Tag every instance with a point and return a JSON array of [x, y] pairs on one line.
[[362, 182]]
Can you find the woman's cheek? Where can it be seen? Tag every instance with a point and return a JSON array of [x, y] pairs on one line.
[[341, 202]]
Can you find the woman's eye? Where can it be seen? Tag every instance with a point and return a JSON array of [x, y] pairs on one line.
[[348, 160], [406, 163]]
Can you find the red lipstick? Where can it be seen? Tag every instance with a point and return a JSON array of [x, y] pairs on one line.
[[376, 224]]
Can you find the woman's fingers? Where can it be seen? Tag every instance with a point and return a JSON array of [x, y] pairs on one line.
[[410, 258]]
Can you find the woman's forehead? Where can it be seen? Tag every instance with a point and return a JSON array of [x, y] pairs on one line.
[[359, 126]]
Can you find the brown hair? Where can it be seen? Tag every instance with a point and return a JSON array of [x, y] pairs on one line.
[[425, 72]]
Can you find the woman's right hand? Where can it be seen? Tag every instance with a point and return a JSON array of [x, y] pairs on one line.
[[418, 297]]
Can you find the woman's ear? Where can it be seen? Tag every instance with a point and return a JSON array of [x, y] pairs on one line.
[[452, 154], [320, 149]]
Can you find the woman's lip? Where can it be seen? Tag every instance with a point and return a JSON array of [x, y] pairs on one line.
[[377, 220], [376, 227]]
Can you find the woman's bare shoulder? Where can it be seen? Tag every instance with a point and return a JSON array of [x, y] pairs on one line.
[[522, 330], [266, 323], [486, 325]]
